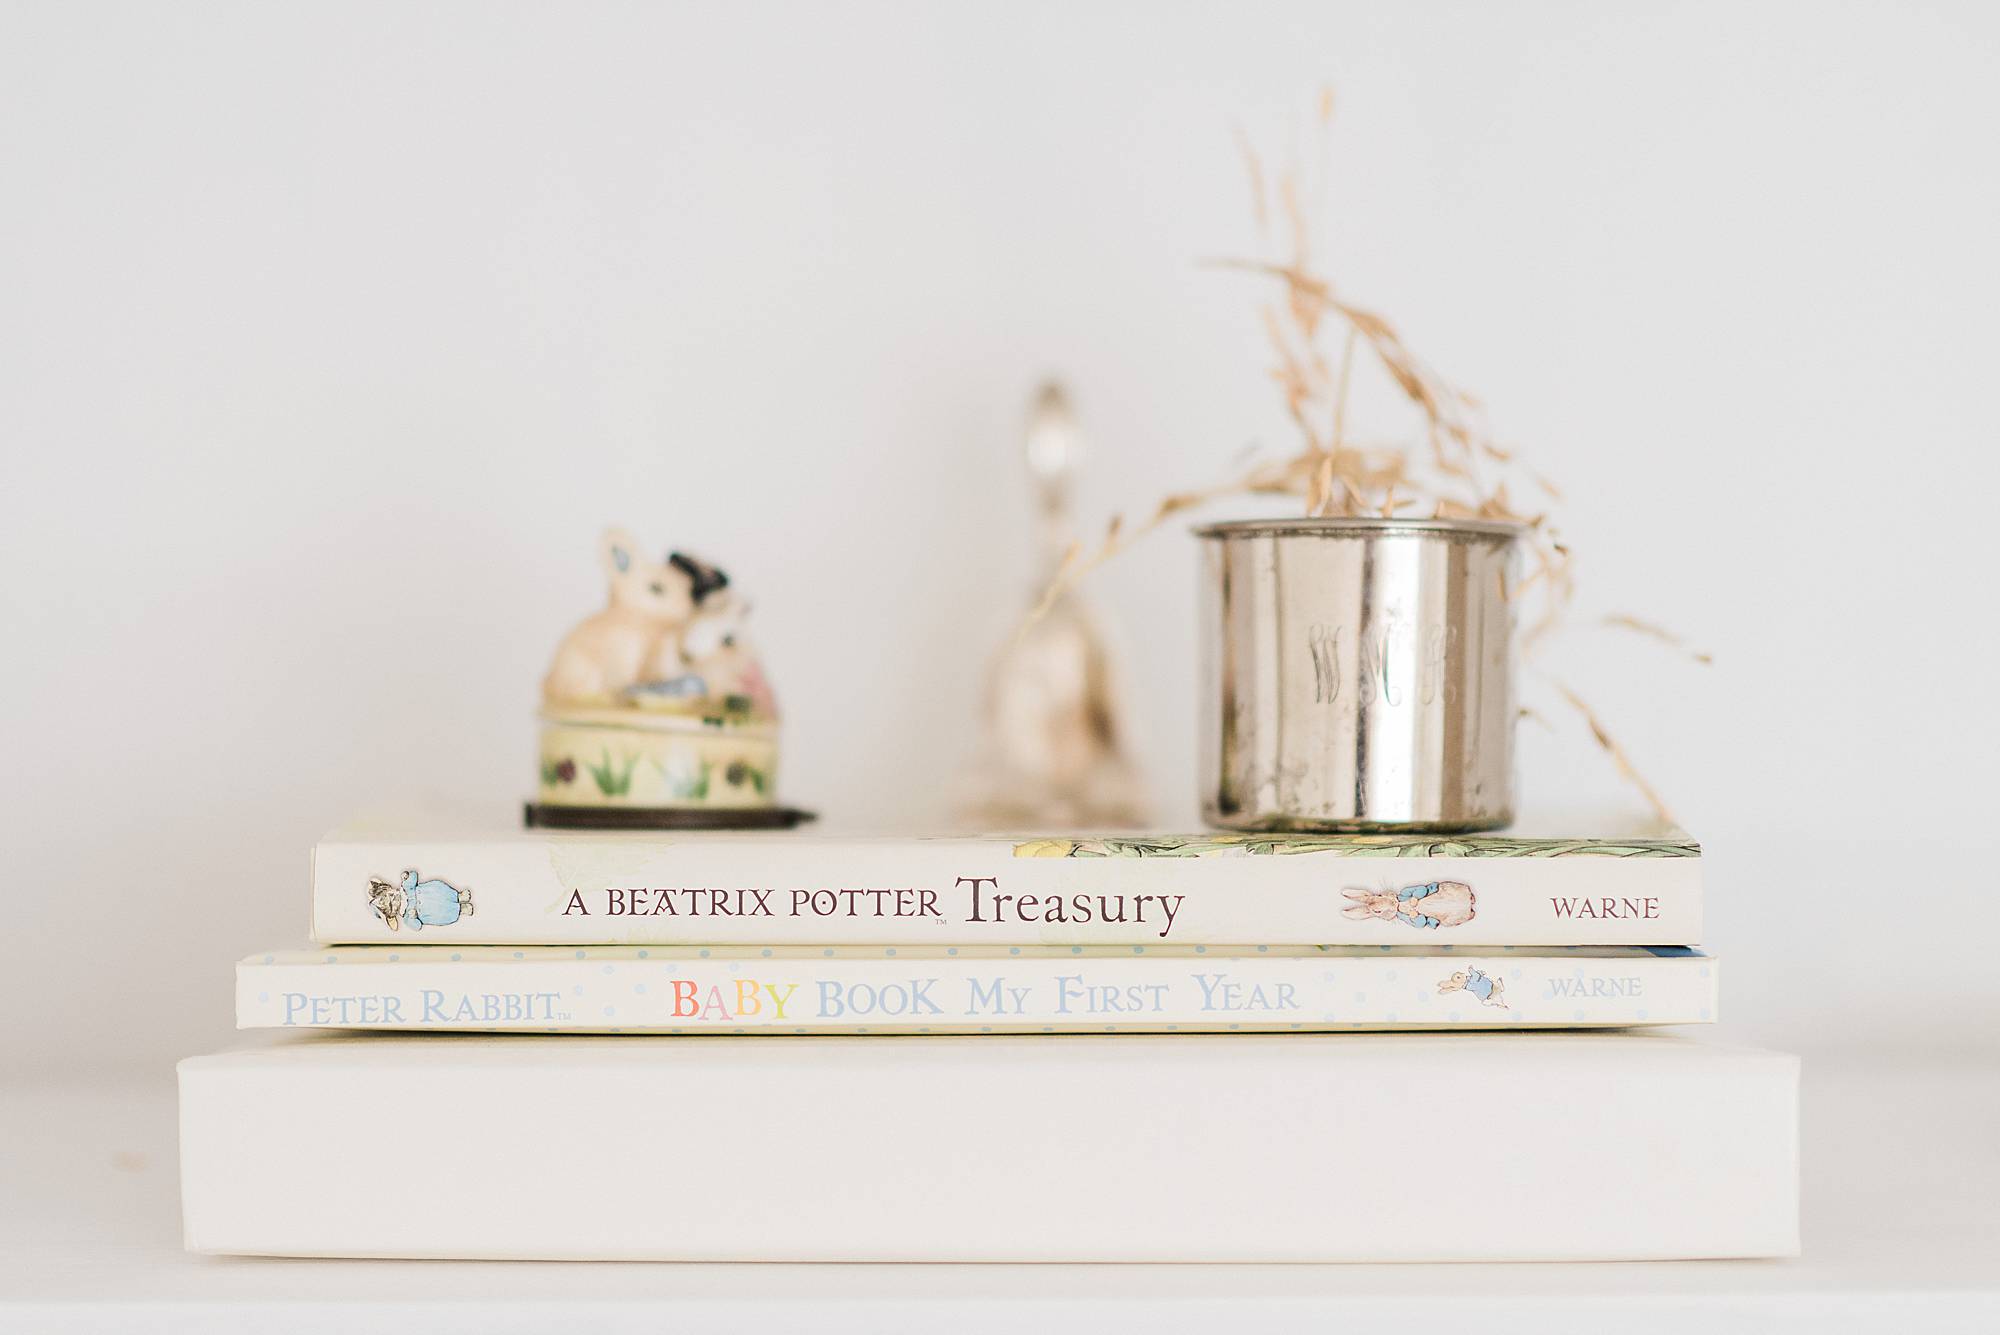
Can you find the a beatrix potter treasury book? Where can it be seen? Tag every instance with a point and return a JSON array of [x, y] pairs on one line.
[[457, 884], [970, 989]]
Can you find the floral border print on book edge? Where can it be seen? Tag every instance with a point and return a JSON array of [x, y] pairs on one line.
[[1356, 846]]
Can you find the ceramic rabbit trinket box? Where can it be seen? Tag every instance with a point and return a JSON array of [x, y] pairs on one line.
[[655, 711]]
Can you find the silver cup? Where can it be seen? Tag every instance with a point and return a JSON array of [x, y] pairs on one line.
[[1358, 674]]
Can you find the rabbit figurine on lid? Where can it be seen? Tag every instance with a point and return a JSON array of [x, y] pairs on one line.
[[655, 711]]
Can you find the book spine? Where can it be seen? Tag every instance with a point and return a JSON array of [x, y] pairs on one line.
[[443, 990], [956, 892]]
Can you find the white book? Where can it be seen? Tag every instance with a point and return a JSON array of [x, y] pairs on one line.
[[977, 989], [1305, 1147], [488, 883]]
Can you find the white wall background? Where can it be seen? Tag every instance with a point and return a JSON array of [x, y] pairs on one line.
[[331, 334]]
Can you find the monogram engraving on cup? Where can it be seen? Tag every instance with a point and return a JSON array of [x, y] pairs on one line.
[[1437, 644], [1393, 654], [1324, 642]]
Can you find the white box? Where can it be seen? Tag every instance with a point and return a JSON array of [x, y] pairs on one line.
[[1295, 1147]]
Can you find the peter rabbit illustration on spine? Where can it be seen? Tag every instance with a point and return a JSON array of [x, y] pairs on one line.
[[1438, 904], [421, 904], [386, 902], [610, 651], [1491, 991]]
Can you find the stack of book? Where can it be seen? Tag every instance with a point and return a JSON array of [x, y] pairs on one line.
[[1118, 1048]]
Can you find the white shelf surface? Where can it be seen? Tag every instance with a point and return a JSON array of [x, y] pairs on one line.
[[1901, 1220]]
